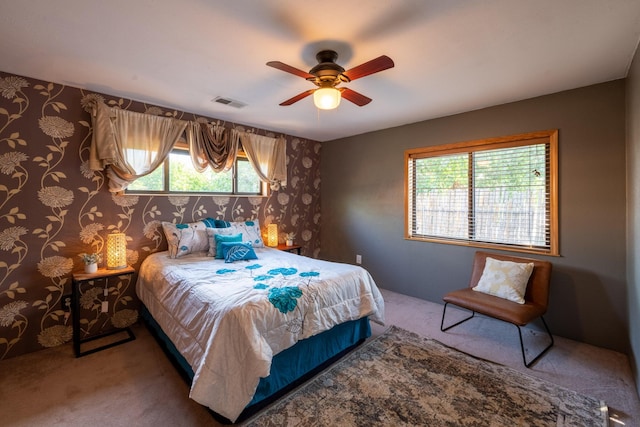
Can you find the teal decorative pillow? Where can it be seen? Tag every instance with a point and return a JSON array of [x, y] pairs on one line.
[[219, 223], [209, 222], [222, 238], [216, 223], [251, 232], [505, 279], [186, 238], [237, 251], [212, 233]]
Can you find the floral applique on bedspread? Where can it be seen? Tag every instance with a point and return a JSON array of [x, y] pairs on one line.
[[282, 285], [285, 299]]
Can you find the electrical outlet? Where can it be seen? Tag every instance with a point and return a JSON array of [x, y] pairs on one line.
[[358, 259], [66, 303]]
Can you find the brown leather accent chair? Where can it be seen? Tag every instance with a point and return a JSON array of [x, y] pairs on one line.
[[536, 299]]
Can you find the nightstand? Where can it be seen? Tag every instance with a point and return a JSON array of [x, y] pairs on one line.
[[100, 279], [291, 249]]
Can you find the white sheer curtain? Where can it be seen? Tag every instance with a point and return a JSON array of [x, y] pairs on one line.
[[211, 145], [131, 144], [268, 157]]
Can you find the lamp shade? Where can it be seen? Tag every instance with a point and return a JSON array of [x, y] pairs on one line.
[[116, 251], [326, 98], [272, 235]]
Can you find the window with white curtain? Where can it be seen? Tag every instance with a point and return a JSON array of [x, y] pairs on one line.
[[496, 193], [143, 153]]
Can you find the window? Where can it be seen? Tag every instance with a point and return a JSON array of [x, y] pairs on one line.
[[497, 193], [178, 176]]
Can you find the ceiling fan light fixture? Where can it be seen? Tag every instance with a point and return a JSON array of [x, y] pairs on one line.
[[327, 74], [326, 98]]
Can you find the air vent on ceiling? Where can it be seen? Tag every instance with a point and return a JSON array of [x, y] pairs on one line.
[[230, 102]]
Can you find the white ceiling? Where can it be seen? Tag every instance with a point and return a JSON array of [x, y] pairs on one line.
[[450, 56]]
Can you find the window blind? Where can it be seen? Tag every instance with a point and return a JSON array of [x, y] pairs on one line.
[[498, 193]]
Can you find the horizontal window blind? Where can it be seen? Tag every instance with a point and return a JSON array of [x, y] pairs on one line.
[[501, 193]]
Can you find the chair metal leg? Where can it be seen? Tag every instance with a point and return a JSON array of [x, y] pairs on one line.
[[535, 359], [524, 359], [444, 310]]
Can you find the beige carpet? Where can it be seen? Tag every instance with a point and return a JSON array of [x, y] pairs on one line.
[[134, 384]]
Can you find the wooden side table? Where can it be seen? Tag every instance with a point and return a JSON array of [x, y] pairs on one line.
[[291, 249], [79, 279]]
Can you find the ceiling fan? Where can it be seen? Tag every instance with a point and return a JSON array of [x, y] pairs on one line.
[[327, 75]]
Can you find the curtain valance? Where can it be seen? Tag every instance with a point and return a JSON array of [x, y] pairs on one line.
[[211, 145], [131, 144]]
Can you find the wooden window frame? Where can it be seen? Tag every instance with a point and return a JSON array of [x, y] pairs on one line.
[[549, 137]]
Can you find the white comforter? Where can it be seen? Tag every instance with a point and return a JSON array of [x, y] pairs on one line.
[[229, 320]]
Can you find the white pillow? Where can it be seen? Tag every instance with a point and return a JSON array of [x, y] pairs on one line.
[[184, 239], [505, 279], [211, 234], [250, 230]]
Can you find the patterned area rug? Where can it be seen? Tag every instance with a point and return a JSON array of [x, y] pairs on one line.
[[403, 379]]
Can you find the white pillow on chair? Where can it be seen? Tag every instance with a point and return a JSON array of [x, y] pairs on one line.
[[505, 279]]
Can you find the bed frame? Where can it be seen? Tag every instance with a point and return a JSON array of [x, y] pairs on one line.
[[289, 368]]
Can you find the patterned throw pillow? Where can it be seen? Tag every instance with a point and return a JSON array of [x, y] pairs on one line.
[[221, 238], [184, 239], [505, 279], [237, 251], [251, 232], [212, 233]]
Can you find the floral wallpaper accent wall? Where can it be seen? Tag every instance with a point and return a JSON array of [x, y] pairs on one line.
[[53, 208]]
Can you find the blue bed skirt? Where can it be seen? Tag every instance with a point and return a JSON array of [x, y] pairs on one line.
[[289, 367]]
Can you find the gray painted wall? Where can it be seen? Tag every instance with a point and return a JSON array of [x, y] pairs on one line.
[[633, 209], [363, 212]]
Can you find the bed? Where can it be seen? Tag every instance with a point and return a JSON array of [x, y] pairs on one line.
[[246, 330]]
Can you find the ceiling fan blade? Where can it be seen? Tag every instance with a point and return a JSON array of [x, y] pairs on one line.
[[297, 98], [289, 69], [375, 65], [355, 97]]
